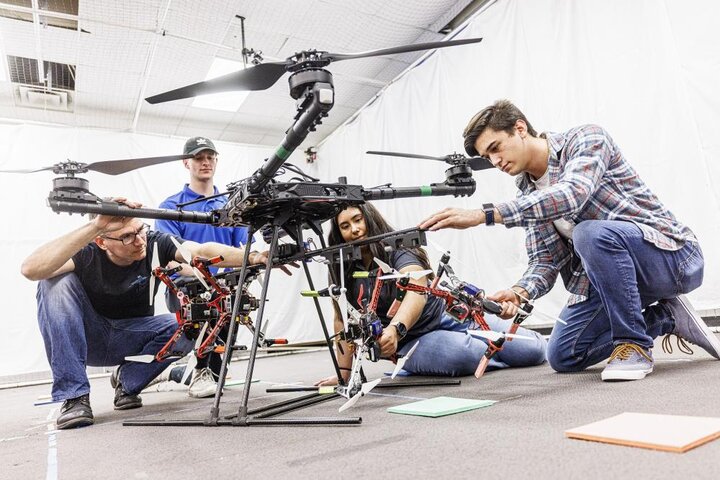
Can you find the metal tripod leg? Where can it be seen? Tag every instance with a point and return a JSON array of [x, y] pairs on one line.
[[256, 417], [328, 339]]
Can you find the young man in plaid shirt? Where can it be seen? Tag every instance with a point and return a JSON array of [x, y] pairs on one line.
[[588, 216]]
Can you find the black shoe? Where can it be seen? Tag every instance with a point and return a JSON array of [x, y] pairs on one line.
[[75, 413], [123, 400]]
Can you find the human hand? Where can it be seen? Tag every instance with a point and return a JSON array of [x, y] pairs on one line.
[[388, 342], [261, 258], [458, 218], [108, 223], [333, 380], [508, 301]]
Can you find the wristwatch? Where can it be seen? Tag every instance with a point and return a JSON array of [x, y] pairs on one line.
[[401, 329], [489, 210]]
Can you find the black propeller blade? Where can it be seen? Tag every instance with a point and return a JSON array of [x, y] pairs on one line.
[[336, 57], [265, 75], [116, 167], [475, 163], [109, 167], [258, 77]]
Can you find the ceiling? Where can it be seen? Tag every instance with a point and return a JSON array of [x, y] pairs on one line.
[[122, 51]]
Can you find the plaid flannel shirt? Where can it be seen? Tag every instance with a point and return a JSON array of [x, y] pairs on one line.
[[590, 179]]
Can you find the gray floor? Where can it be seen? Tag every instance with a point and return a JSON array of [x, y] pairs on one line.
[[520, 436]]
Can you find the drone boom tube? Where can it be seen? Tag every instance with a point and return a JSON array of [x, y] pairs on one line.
[[120, 210], [387, 193], [318, 99]]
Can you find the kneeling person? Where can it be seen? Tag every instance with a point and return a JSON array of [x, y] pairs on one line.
[[94, 309]]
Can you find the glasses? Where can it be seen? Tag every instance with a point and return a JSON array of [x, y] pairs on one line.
[[129, 238]]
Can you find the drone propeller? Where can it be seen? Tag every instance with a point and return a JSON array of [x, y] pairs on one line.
[[392, 273], [384, 266], [108, 167], [187, 256], [259, 77], [140, 358], [265, 75], [364, 390], [192, 361], [415, 275], [475, 163], [153, 265], [401, 361], [439, 247], [540, 313], [495, 336]]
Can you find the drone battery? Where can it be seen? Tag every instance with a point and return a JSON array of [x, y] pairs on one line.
[[471, 290], [376, 328]]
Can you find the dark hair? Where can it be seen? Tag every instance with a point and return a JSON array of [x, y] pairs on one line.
[[375, 224], [500, 116]]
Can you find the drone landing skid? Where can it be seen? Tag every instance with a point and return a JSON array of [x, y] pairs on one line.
[[261, 416]]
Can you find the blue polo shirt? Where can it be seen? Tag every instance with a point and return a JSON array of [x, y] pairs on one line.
[[200, 232]]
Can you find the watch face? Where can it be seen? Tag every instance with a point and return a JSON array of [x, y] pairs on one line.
[[401, 329]]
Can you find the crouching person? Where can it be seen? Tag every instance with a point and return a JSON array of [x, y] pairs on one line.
[[94, 307]]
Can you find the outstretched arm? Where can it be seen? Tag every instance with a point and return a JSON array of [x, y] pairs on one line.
[[55, 257]]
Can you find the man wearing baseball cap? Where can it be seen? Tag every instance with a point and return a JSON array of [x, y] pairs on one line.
[[202, 171]]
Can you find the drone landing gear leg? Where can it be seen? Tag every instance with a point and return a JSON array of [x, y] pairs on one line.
[[261, 416], [328, 340], [492, 349], [258, 416]]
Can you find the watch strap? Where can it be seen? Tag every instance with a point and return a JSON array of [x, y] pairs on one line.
[[489, 210]]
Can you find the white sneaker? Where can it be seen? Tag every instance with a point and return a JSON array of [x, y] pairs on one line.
[[161, 381], [203, 384]]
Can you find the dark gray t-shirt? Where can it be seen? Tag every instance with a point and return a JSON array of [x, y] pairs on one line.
[[429, 318], [121, 292]]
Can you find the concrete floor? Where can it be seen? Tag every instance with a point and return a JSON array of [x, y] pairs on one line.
[[520, 436]]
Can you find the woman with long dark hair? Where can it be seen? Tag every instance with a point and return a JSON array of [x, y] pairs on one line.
[[445, 347]]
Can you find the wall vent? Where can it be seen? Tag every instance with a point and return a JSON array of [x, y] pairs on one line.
[[35, 97], [66, 7], [25, 71]]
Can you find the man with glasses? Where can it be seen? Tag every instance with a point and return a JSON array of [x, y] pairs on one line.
[[205, 197], [588, 216], [94, 307]]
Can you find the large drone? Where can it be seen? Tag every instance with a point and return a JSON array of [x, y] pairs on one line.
[[260, 201], [255, 199]]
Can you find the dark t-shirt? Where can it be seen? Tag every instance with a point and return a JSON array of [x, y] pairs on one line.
[[429, 318], [121, 292]]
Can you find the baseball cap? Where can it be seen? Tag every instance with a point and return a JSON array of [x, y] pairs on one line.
[[197, 144]]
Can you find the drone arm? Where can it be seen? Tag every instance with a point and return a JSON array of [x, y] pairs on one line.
[[119, 210], [434, 190], [318, 100], [232, 256]]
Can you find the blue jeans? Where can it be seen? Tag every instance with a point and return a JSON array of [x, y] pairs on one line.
[[628, 275], [451, 351], [75, 336]]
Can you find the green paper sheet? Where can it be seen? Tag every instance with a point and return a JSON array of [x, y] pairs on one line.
[[440, 406]]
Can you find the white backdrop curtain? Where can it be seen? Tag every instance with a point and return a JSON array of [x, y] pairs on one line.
[[647, 71]]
